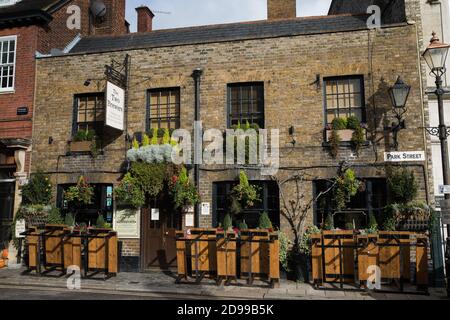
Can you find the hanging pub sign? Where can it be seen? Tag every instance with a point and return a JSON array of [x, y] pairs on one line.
[[408, 156], [115, 106]]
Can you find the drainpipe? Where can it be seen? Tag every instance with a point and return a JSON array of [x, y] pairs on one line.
[[197, 74]]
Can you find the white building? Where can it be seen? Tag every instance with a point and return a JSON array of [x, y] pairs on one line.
[[436, 17]]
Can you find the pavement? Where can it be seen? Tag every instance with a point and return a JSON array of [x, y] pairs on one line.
[[15, 284]]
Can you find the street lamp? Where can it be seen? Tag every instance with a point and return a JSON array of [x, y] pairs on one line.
[[435, 56], [399, 94]]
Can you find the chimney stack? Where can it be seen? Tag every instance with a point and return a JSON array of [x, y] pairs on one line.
[[281, 9], [144, 19]]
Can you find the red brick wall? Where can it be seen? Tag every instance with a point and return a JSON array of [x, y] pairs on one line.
[[11, 125]]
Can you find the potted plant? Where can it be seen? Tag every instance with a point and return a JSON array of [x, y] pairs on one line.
[[83, 141], [404, 213], [184, 193], [243, 196], [81, 194]]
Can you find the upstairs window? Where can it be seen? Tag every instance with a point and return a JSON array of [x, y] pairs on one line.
[[90, 112], [7, 62], [164, 108], [344, 97], [246, 103]]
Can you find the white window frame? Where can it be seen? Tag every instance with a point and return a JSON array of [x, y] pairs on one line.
[[9, 89]]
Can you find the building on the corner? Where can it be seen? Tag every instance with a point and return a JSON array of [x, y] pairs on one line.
[[286, 73], [30, 28]]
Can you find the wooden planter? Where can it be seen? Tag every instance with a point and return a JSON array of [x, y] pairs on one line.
[[336, 258], [368, 254], [226, 255], [345, 135], [204, 251], [33, 249], [102, 251], [72, 252], [254, 255], [80, 146], [53, 245]]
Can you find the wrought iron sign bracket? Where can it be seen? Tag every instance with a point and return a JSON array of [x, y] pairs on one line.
[[117, 72], [441, 131]]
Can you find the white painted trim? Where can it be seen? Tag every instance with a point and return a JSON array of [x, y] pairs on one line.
[[11, 89]]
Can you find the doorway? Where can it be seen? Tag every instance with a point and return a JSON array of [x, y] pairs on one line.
[[159, 244], [7, 189]]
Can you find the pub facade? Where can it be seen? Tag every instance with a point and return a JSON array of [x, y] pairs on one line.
[[295, 75]]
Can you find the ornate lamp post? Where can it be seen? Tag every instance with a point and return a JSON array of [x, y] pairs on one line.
[[399, 94], [435, 56]]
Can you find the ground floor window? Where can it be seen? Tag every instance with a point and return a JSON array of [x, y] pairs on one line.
[[102, 203], [270, 203], [371, 199]]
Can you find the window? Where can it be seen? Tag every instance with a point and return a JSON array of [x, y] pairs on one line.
[[246, 103], [7, 62], [90, 112], [371, 199], [344, 97], [270, 203], [102, 203], [164, 108]]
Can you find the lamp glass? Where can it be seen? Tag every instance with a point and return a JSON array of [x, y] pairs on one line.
[[399, 94], [436, 57]]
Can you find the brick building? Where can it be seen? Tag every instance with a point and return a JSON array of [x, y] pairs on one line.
[[297, 74], [29, 28]]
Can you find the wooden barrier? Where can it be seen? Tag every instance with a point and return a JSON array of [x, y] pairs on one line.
[[204, 251], [102, 250], [254, 254], [215, 252], [72, 252], [226, 256], [368, 253], [181, 257], [316, 259], [340, 259], [390, 251], [274, 260], [33, 249], [394, 260], [53, 246], [422, 261]]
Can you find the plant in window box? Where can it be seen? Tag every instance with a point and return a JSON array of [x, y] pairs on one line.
[[345, 128], [84, 141]]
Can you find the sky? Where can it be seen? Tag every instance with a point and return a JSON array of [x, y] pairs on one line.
[[186, 13]]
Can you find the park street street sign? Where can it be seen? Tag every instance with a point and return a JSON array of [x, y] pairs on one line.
[[407, 156], [445, 211]]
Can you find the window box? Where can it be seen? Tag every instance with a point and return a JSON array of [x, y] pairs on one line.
[[80, 146], [345, 135]]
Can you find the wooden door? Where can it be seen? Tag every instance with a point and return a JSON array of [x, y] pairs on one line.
[[6, 210], [159, 238]]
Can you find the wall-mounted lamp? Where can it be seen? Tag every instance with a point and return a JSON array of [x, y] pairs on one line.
[[87, 83], [50, 140], [292, 133], [399, 94]]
